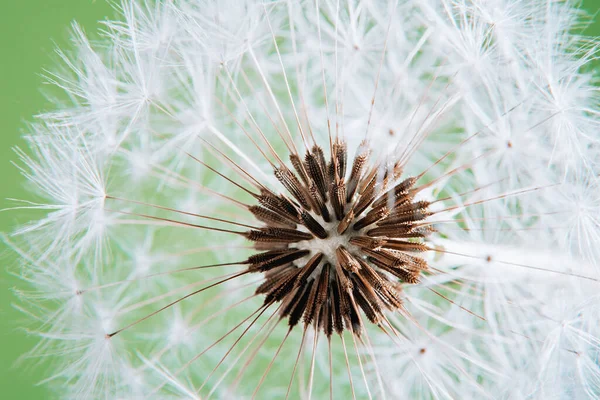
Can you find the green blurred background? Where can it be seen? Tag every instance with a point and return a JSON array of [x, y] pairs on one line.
[[29, 32]]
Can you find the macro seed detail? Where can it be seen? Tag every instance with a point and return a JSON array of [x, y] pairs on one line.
[[338, 246]]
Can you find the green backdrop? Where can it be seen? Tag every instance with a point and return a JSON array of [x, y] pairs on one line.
[[29, 32]]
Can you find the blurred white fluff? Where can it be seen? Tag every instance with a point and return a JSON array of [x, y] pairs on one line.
[[510, 75]]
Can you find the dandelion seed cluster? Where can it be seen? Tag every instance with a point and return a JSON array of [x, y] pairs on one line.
[[333, 282], [303, 199]]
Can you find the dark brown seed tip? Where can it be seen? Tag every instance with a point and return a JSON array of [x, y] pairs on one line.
[[323, 273]]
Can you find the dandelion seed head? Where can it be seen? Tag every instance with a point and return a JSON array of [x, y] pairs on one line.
[[371, 199]]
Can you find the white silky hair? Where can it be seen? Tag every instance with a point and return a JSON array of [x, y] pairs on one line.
[[499, 90]]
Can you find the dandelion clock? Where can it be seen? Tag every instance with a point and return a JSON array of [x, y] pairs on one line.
[[318, 199]]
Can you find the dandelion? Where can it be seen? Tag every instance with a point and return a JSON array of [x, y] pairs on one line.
[[372, 199]]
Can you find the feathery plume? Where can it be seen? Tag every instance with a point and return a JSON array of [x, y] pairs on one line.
[[366, 199]]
